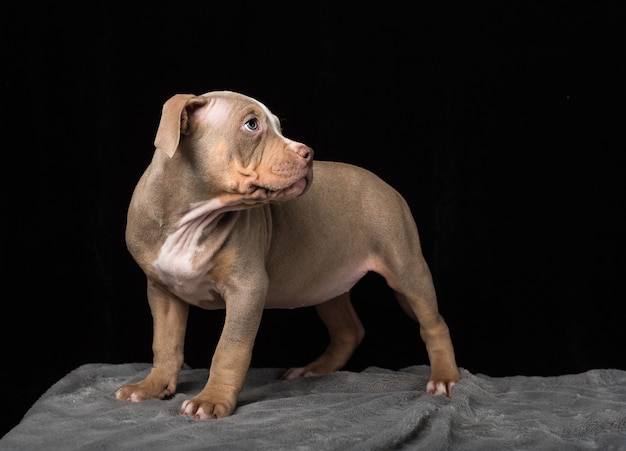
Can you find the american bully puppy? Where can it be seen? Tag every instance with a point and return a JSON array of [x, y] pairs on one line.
[[230, 214]]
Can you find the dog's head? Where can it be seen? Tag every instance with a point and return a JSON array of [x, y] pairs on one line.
[[235, 148]]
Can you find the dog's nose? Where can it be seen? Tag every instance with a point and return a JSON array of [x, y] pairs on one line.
[[304, 151]]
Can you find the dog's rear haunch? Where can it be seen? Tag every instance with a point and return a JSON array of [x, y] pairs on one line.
[[230, 214]]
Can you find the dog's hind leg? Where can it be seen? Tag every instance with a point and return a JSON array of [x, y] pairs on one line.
[[436, 336], [345, 331], [414, 290]]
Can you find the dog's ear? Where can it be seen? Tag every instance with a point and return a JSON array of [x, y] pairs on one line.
[[175, 120]]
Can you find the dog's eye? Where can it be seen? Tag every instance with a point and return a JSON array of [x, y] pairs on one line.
[[252, 124]]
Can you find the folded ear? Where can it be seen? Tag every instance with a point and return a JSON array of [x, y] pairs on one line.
[[175, 120]]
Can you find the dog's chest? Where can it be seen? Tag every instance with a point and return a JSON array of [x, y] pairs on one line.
[[184, 261]]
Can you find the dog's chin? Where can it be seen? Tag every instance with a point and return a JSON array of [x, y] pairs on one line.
[[298, 188], [264, 195]]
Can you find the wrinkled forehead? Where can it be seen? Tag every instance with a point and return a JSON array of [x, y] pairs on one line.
[[227, 108]]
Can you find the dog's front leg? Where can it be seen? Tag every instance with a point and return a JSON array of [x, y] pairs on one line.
[[231, 360], [169, 316]]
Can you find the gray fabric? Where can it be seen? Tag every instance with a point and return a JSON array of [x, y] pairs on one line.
[[373, 409]]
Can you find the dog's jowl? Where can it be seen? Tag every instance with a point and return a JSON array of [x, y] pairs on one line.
[[230, 214]]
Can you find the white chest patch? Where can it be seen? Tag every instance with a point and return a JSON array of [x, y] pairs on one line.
[[184, 261]]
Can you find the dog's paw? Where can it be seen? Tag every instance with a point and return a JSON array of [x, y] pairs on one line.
[[293, 373], [205, 410], [142, 391], [440, 388]]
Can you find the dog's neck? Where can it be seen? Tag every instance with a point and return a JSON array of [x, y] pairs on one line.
[[203, 213]]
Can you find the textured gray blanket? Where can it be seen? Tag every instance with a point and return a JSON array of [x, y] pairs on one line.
[[373, 409]]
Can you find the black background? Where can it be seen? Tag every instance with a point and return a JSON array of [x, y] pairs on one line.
[[501, 123]]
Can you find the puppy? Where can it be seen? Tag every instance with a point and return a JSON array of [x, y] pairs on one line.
[[230, 214]]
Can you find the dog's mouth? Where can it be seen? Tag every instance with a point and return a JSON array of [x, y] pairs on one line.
[[261, 193]]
